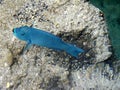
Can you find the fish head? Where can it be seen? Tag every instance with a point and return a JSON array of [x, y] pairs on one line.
[[22, 33]]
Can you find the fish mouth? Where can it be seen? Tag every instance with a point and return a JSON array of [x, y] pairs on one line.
[[13, 31]]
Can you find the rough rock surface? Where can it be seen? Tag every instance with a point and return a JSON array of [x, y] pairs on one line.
[[76, 22]]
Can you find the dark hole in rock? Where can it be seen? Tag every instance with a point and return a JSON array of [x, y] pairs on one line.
[[1, 1], [53, 84]]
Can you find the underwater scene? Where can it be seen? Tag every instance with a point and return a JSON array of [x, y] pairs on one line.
[[59, 45]]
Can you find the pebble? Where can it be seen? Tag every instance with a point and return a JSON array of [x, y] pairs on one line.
[[6, 57]]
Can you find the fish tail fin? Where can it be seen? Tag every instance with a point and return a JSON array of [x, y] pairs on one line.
[[73, 50]]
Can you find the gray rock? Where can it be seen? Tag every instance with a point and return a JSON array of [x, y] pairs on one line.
[[76, 22], [6, 57]]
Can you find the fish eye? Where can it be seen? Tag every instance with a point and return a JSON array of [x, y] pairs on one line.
[[23, 34]]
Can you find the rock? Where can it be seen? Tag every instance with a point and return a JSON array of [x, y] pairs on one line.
[[76, 22], [97, 77], [6, 57]]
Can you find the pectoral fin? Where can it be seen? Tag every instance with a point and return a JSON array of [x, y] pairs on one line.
[[27, 46]]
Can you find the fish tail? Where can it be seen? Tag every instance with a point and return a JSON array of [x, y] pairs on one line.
[[73, 50]]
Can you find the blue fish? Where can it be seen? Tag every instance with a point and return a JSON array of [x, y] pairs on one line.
[[42, 38]]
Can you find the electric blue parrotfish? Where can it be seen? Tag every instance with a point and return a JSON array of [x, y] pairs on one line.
[[42, 38]]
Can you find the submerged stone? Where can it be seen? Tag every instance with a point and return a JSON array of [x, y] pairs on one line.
[[6, 57]]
